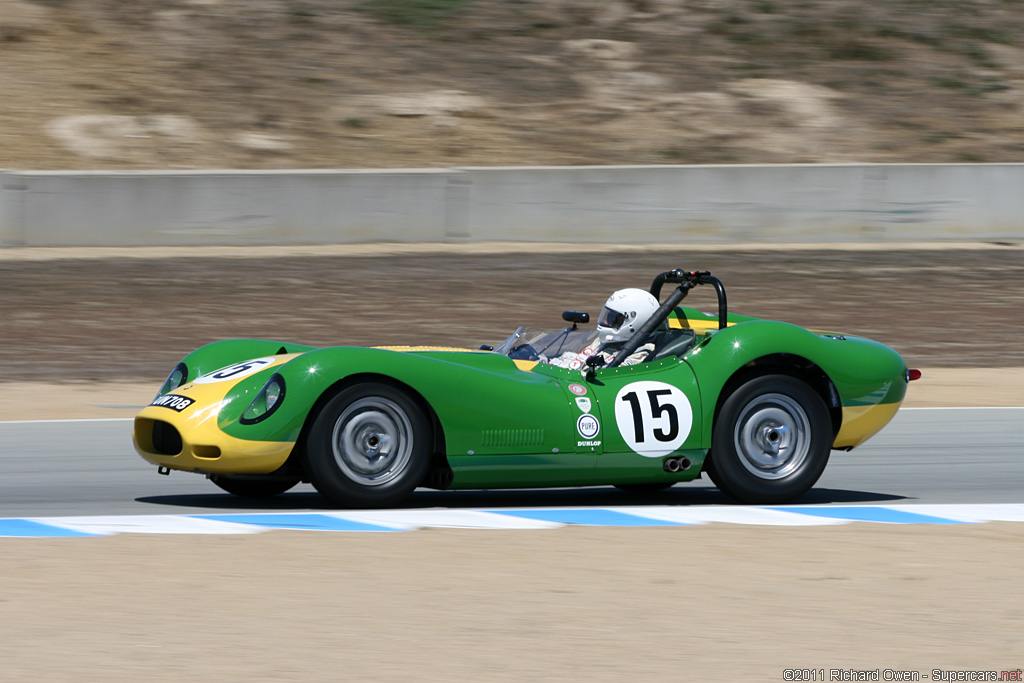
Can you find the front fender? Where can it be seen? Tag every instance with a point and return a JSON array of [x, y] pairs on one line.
[[220, 354], [485, 404]]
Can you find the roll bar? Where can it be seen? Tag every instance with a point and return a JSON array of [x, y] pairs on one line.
[[686, 280]]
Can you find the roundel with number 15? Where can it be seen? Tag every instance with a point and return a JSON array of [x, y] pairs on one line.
[[654, 418]]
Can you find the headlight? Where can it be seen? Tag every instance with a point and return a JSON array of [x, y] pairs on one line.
[[178, 376], [266, 402], [273, 393]]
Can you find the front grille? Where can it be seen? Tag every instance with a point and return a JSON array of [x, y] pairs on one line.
[[166, 439]]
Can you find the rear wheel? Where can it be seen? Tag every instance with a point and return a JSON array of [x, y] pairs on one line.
[[253, 488], [771, 440], [368, 447]]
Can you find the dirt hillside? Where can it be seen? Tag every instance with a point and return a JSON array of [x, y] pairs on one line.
[[412, 83]]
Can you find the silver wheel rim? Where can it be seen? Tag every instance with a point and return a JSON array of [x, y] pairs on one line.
[[372, 441], [773, 436]]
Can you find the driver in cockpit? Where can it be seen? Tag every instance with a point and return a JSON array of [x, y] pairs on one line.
[[623, 314]]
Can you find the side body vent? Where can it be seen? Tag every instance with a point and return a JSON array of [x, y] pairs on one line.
[[513, 437]]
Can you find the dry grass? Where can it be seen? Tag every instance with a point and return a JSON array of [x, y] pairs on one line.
[[312, 83]]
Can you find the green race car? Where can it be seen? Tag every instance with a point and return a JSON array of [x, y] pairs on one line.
[[756, 404]]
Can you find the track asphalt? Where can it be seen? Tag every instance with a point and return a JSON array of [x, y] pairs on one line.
[[930, 466]]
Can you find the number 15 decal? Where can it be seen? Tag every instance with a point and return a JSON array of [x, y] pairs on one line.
[[237, 371], [654, 418]]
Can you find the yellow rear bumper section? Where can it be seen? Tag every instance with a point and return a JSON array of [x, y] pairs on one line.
[[860, 423], [203, 447]]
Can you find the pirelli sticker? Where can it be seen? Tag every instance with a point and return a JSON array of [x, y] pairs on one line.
[[173, 401]]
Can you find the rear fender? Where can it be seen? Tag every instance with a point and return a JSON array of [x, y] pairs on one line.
[[863, 372]]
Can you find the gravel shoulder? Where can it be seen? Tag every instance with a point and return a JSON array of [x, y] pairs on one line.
[[706, 603], [129, 317]]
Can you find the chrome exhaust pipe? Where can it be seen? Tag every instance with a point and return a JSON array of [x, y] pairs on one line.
[[677, 464]]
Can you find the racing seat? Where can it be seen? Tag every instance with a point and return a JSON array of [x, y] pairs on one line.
[[671, 343]]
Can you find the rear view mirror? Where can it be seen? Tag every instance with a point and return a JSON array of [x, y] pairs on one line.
[[575, 317]]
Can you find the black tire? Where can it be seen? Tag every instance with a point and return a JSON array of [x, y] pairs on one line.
[[370, 446], [771, 441], [253, 488], [709, 469], [644, 488]]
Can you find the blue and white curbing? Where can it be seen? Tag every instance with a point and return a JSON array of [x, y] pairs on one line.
[[519, 518]]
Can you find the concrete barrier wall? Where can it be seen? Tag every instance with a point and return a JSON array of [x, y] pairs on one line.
[[638, 204], [153, 208]]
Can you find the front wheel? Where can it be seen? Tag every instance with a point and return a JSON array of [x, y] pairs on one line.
[[771, 440], [369, 447]]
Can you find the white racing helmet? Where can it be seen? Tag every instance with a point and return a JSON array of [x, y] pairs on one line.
[[624, 313]]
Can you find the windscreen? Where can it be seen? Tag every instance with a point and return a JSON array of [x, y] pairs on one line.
[[565, 347]]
